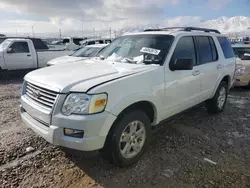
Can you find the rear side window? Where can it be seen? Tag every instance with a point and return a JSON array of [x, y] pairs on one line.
[[214, 49], [226, 47], [185, 49], [205, 50]]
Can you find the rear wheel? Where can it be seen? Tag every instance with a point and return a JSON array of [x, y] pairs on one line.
[[128, 139], [218, 102], [248, 86]]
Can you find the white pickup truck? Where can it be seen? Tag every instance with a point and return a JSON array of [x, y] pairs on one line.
[[110, 102], [20, 53]]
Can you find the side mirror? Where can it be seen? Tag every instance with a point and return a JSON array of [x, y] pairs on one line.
[[182, 64], [9, 50]]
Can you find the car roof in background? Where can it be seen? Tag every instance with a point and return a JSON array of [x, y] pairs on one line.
[[96, 46], [241, 45]]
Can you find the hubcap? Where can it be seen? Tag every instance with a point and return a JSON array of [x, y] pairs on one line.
[[222, 97], [132, 139]]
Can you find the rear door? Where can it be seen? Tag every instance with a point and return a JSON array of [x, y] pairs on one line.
[[19, 57], [208, 63]]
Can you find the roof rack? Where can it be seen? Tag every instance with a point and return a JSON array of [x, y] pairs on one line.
[[189, 29]]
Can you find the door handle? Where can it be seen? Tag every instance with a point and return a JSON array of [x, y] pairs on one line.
[[219, 66], [28, 55], [196, 73]]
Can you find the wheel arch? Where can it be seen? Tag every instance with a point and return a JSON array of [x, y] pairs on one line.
[[227, 79]]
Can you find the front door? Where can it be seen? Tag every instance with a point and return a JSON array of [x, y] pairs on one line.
[[19, 57], [183, 87]]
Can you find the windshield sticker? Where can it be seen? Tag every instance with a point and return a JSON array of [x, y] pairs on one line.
[[150, 51]]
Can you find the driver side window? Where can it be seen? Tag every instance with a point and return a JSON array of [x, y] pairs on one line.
[[20, 47], [184, 49]]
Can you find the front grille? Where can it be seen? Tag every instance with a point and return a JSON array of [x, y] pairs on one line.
[[41, 96], [35, 119]]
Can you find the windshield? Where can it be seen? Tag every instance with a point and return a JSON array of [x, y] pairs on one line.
[[242, 53], [4, 44], [2, 39], [86, 52], [139, 49]]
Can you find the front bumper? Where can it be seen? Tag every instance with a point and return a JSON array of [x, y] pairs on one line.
[[95, 127]]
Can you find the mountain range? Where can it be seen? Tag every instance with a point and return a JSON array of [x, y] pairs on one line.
[[239, 25]]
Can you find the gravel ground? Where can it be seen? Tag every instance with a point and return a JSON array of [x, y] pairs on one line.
[[194, 149]]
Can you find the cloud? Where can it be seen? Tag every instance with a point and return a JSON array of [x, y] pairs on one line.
[[105, 10], [71, 15], [75, 15]]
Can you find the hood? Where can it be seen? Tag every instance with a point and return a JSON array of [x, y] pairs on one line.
[[65, 59], [90, 72], [245, 63]]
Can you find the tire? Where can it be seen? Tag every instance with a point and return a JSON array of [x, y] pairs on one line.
[[213, 105], [112, 148], [248, 86]]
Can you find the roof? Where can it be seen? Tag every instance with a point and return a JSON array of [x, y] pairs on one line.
[[86, 40], [174, 33], [96, 45], [178, 30], [16, 39]]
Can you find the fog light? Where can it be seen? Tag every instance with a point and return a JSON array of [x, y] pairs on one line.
[[73, 133]]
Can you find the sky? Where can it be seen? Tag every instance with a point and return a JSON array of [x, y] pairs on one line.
[[48, 16]]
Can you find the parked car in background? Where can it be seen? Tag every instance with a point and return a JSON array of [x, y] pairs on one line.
[[246, 40], [23, 53], [95, 41], [110, 103], [81, 54], [72, 43], [242, 73]]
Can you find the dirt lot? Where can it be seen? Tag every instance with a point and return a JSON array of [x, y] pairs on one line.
[[176, 157]]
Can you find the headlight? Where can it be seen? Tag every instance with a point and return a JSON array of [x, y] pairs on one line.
[[79, 103], [240, 71]]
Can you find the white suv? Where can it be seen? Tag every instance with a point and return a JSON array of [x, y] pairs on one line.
[[110, 102]]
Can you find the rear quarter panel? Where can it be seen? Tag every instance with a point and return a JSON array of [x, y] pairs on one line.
[[228, 66], [46, 56]]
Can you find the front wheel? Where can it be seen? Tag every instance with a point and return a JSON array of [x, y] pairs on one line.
[[129, 139], [218, 102]]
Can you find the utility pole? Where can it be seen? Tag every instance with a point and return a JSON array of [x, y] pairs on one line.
[[60, 33], [82, 27], [33, 31], [110, 33]]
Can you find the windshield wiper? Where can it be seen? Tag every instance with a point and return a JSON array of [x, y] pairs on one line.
[[101, 57], [130, 60]]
